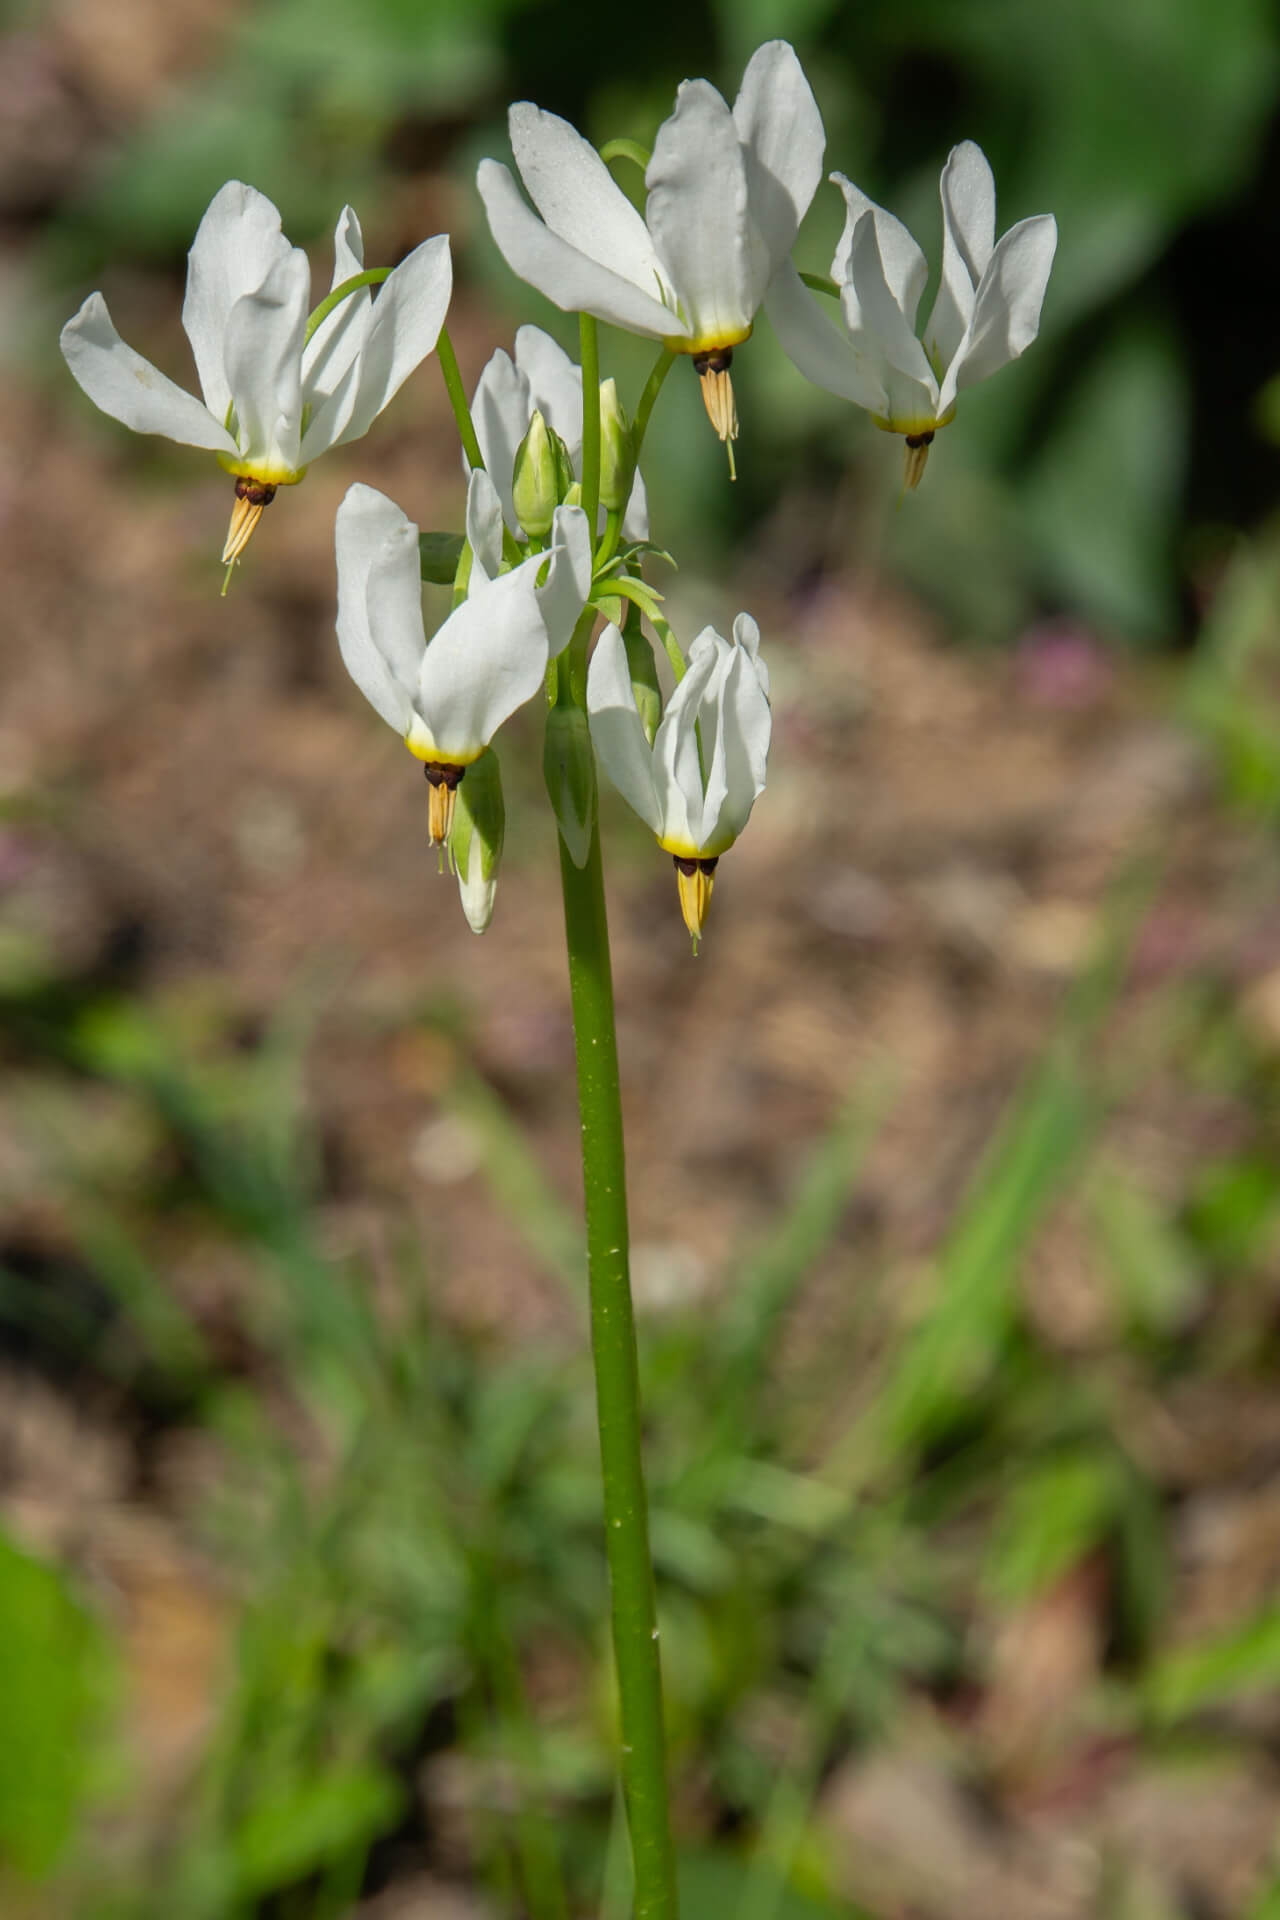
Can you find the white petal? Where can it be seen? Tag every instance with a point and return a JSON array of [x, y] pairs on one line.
[[484, 530], [822, 352], [263, 358], [488, 658], [501, 409], [677, 771], [237, 244], [746, 725], [404, 326], [697, 214], [1006, 311], [746, 634], [781, 130], [476, 891], [338, 339], [129, 388], [564, 593], [555, 386], [875, 319], [570, 278], [968, 235], [578, 197], [904, 268], [715, 781], [617, 732], [373, 539]]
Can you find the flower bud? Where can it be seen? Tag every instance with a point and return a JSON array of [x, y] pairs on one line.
[[643, 669], [475, 842], [569, 769], [617, 451], [536, 481]]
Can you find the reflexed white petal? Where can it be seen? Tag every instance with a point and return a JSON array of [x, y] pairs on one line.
[[822, 352], [697, 214], [373, 539], [1006, 311], [781, 130], [568, 277], [563, 595], [903, 267], [338, 339], [237, 244], [746, 634], [487, 659], [263, 358], [501, 409], [968, 235], [712, 762], [555, 386], [617, 732], [403, 327], [129, 388], [871, 307], [746, 726], [677, 772], [578, 197], [484, 530]]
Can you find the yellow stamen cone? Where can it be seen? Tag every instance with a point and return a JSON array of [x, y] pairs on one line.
[[251, 497], [918, 445], [694, 881]]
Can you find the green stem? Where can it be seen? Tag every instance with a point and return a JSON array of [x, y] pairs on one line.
[[821, 284], [670, 644], [373, 277], [589, 348], [457, 398], [626, 150], [613, 1339], [652, 388]]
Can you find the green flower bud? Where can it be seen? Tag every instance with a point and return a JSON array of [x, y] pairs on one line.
[[643, 669], [569, 769], [535, 480], [617, 451], [475, 841]]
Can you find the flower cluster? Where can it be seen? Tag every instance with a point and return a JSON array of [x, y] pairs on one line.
[[726, 191]]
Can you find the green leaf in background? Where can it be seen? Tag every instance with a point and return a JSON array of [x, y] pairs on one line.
[[314, 1823], [1054, 1516], [1232, 1665], [53, 1682]]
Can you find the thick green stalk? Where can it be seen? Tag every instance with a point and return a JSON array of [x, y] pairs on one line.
[[458, 398], [613, 1339]]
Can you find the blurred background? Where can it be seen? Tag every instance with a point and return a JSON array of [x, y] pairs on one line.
[[953, 1156]]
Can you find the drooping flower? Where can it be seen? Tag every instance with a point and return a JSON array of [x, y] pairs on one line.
[[274, 398], [541, 378], [726, 194], [986, 313], [448, 696], [696, 795]]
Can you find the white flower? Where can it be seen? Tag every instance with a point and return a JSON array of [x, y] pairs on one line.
[[541, 378], [695, 796], [273, 399], [726, 194], [448, 696], [986, 313]]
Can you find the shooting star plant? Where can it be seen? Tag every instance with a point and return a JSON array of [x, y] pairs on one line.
[[986, 312], [280, 387], [727, 191], [696, 785]]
